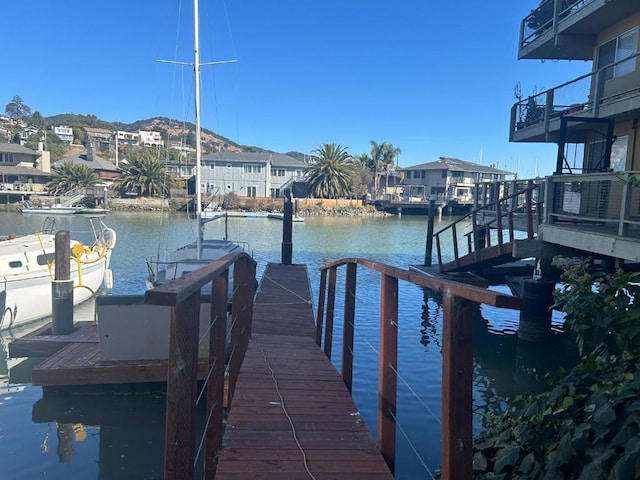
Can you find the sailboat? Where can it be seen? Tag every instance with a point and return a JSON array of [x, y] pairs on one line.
[[201, 252]]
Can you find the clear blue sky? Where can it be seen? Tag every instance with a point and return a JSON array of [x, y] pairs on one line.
[[433, 78]]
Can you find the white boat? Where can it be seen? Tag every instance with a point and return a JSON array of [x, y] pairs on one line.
[[201, 252], [26, 273], [29, 209]]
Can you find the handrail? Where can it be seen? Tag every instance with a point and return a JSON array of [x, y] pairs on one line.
[[480, 237], [457, 352], [542, 100], [183, 295]]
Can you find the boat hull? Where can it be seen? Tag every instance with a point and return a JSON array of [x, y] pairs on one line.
[[27, 271], [29, 297]]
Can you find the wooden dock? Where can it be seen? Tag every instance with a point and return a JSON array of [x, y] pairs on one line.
[[291, 416]]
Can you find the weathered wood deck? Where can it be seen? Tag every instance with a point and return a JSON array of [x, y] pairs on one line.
[[291, 416]]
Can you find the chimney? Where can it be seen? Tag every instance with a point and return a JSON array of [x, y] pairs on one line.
[[89, 153]]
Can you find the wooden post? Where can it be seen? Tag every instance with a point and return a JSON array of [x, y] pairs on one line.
[[529, 212], [62, 287], [321, 298], [349, 325], [429, 247], [215, 385], [331, 303], [182, 389], [287, 230], [457, 382], [387, 388]]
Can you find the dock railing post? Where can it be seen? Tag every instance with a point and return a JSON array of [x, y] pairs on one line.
[[331, 303], [387, 389], [349, 325], [321, 299], [215, 385], [62, 287], [429, 248], [182, 377], [457, 382]]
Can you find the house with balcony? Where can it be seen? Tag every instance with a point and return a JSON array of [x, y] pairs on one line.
[[150, 139], [64, 133], [249, 174], [126, 138], [450, 181], [98, 138], [592, 201], [22, 171]]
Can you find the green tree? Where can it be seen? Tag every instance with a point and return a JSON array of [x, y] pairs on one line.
[[16, 109], [68, 176], [144, 174], [37, 120], [330, 174], [382, 160]]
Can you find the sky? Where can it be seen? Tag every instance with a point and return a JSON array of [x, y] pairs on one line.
[[435, 79]]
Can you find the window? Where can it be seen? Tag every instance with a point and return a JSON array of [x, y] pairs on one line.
[[15, 264], [42, 259], [251, 192], [277, 172], [275, 192], [618, 49], [6, 157], [457, 174], [252, 168]]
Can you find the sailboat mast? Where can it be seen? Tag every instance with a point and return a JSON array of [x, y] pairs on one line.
[[196, 71]]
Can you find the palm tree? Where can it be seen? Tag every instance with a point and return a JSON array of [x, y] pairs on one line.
[[144, 174], [329, 175], [383, 156], [68, 176]]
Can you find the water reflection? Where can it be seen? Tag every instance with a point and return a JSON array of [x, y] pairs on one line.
[[504, 365]]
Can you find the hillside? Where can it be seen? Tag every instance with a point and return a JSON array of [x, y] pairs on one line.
[[171, 130]]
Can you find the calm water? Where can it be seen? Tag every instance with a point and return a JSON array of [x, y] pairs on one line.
[[121, 436]]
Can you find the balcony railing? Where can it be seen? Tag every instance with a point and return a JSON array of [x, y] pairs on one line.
[[609, 201], [581, 96], [543, 19]]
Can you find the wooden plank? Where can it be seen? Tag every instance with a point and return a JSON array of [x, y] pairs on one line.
[[291, 401]]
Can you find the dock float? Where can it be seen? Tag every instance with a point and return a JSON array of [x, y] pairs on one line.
[[292, 415]]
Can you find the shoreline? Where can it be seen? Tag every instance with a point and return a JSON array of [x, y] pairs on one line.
[[328, 208]]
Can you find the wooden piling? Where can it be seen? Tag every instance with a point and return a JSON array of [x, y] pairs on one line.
[[62, 287]]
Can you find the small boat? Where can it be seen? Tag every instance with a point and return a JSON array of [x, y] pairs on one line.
[[26, 273], [31, 209]]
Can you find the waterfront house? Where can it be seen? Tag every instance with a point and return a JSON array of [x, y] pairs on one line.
[[105, 169], [594, 121], [449, 179], [249, 174], [23, 169]]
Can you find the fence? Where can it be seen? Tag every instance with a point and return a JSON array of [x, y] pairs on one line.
[[457, 351], [184, 296]]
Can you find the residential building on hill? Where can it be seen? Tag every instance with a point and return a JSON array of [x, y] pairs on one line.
[[249, 174], [594, 121], [98, 138], [150, 139], [126, 138], [64, 133]]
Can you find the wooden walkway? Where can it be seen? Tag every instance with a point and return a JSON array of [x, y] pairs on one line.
[[291, 416]]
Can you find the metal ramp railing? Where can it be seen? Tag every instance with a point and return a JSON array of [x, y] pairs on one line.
[[488, 232]]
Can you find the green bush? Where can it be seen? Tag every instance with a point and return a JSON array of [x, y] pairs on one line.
[[587, 425]]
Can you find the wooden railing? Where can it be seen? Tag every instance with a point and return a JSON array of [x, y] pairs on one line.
[[490, 226], [457, 352], [183, 296]]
